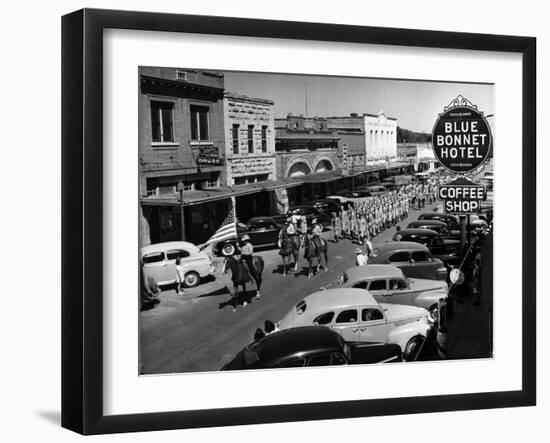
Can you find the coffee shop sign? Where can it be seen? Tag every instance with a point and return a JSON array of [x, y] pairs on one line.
[[461, 137]]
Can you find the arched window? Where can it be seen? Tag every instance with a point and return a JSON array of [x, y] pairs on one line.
[[324, 166], [299, 169]]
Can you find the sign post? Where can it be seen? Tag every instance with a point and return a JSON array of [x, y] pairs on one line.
[[462, 141]]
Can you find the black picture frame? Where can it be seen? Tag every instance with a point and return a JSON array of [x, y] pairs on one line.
[[82, 218]]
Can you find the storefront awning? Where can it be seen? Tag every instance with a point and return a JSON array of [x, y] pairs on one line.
[[271, 185], [365, 169], [321, 177], [394, 165], [210, 195]]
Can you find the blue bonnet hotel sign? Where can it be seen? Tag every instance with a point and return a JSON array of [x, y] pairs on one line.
[[461, 137]]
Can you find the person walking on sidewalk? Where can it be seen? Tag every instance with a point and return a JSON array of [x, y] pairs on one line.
[[336, 227], [180, 277], [476, 279]]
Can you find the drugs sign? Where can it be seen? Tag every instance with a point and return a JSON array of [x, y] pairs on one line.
[[461, 196], [461, 137]]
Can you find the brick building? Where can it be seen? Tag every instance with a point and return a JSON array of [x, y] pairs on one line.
[[250, 152], [307, 150], [181, 139]]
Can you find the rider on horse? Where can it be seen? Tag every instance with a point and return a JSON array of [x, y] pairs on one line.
[[286, 235], [246, 250]]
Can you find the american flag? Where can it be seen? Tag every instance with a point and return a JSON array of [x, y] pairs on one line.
[[228, 229]]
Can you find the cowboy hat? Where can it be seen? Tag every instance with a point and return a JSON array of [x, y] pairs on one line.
[[245, 237], [358, 251]]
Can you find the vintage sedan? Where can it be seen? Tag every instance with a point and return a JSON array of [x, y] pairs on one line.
[[327, 206], [263, 231], [452, 221], [388, 284], [310, 213], [159, 261], [414, 259], [438, 226], [358, 193], [358, 317], [310, 346], [448, 253]]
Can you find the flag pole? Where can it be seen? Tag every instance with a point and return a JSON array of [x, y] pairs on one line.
[[234, 203]]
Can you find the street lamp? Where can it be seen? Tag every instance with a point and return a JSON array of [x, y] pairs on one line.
[[180, 189]]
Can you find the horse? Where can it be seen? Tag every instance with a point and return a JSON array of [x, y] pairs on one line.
[[289, 247], [241, 275], [315, 248]]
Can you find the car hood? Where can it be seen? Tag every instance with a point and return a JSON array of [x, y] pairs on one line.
[[396, 312], [421, 284]]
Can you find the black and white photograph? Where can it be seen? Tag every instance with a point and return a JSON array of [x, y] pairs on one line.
[[292, 220]]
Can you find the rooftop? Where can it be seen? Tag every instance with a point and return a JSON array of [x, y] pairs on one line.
[[340, 297], [373, 271]]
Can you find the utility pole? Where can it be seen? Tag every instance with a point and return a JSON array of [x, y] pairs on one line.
[[306, 98]]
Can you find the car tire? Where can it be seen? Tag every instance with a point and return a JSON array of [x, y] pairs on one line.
[[410, 353], [191, 279], [228, 249]]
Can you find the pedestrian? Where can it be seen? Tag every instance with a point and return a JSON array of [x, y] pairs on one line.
[[345, 223], [303, 228], [362, 229], [337, 227], [476, 280], [180, 277], [149, 292], [368, 247], [360, 259]]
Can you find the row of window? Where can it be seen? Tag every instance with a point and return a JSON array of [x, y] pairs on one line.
[[250, 179], [162, 125], [162, 122], [169, 189], [349, 316], [250, 138]]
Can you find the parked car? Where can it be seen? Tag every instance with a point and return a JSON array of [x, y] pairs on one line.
[[448, 254], [376, 189], [263, 231], [311, 213], [310, 346], [452, 221], [159, 261], [388, 284], [327, 206], [345, 203], [359, 194], [438, 226], [358, 317], [414, 259]]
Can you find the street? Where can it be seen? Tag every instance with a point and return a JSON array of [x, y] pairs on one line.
[[200, 332]]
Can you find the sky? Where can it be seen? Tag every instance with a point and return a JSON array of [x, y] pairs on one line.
[[415, 104]]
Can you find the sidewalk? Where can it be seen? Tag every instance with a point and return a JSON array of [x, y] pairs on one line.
[[471, 327]]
